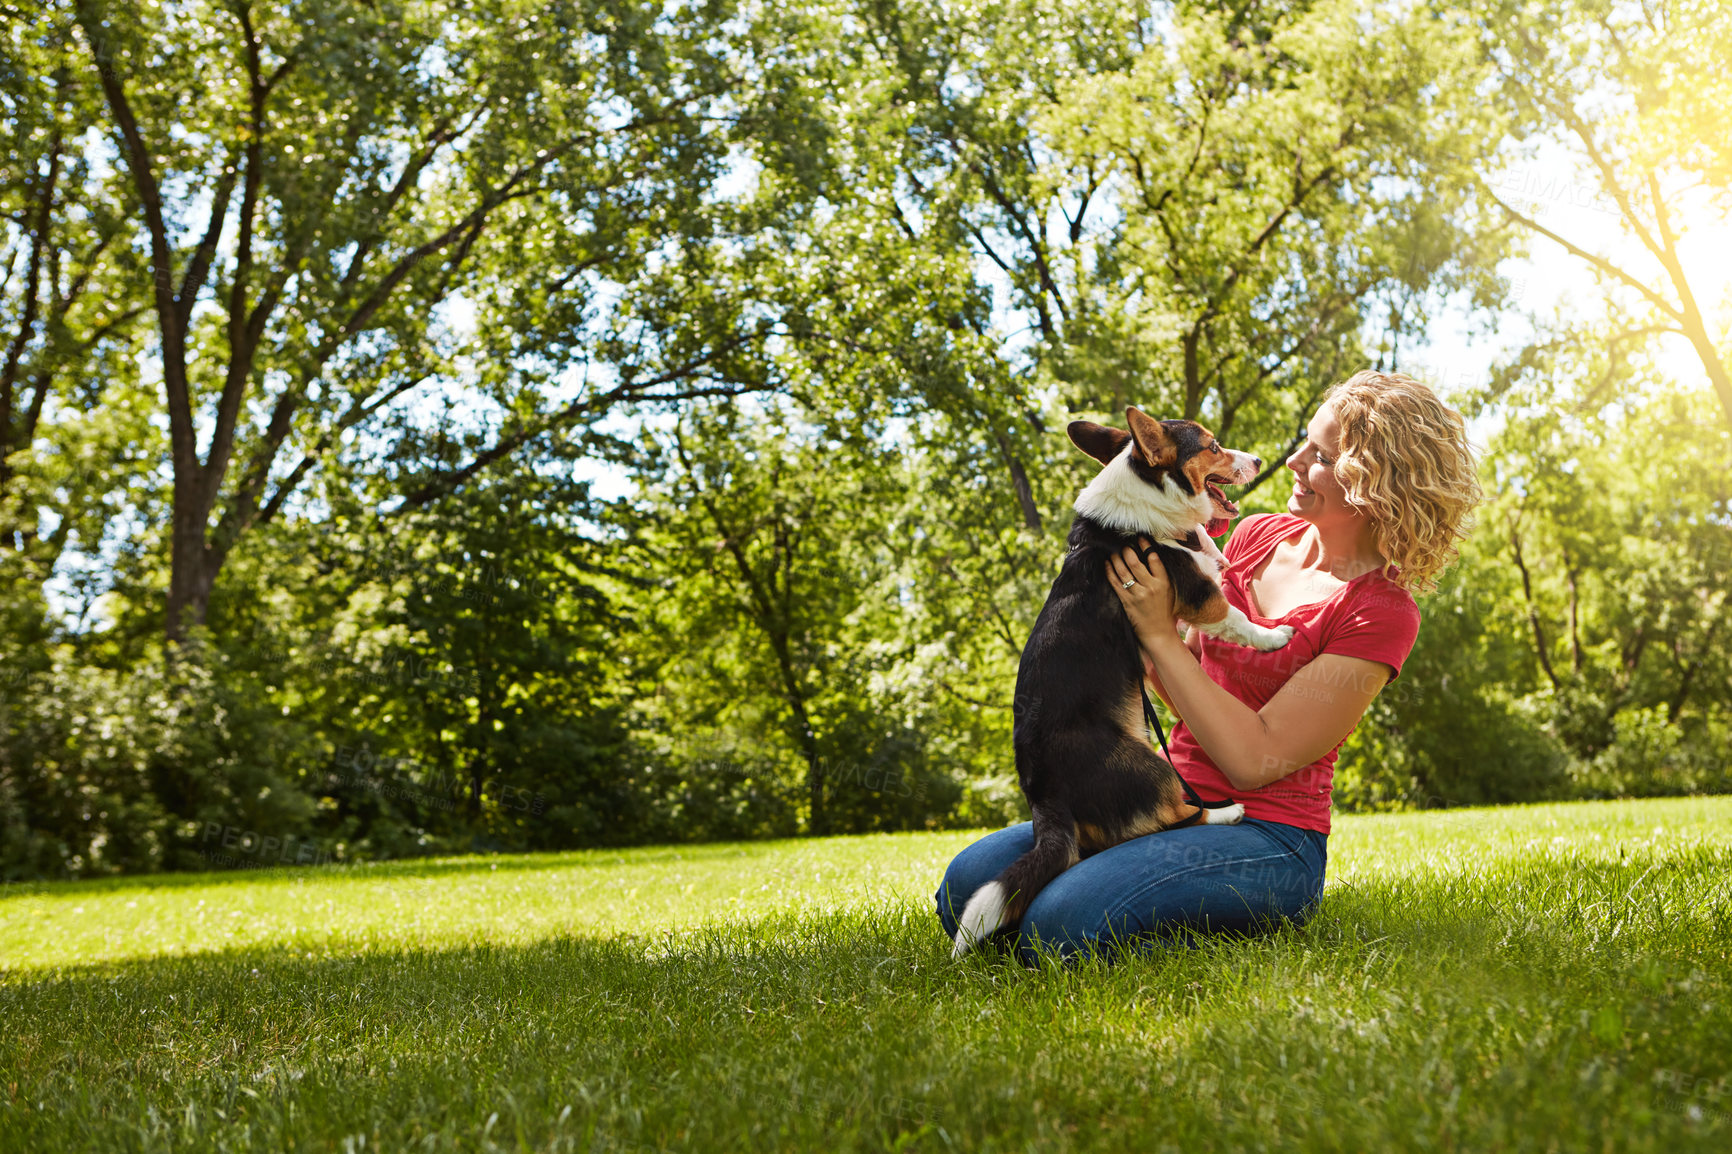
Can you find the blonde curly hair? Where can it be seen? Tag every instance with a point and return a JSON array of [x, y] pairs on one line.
[[1405, 460]]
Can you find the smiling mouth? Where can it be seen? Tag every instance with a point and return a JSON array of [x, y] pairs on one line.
[[1219, 496]]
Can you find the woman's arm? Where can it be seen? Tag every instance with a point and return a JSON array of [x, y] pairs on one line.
[[1153, 677], [1307, 717], [1194, 642], [1319, 705]]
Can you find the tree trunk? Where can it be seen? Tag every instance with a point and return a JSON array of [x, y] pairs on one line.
[[1575, 628], [803, 732], [27, 323], [1193, 372], [193, 565], [1676, 705], [1711, 363], [1533, 612], [1019, 482]]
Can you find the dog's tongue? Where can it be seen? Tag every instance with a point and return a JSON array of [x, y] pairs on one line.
[[1217, 526]]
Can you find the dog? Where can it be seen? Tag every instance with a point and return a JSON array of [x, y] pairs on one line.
[[1082, 750]]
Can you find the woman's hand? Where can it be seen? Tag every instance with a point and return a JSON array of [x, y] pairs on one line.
[[1148, 602]]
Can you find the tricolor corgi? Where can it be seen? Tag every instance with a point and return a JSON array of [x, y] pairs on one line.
[[1082, 749]]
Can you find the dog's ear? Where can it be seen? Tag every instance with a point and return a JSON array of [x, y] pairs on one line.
[[1156, 447], [1098, 441]]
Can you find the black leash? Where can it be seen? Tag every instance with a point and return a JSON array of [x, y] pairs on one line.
[[1154, 720]]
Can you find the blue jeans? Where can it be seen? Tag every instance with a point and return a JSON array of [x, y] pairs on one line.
[[1160, 888]]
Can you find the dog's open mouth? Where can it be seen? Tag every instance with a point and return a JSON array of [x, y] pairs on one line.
[[1218, 495]]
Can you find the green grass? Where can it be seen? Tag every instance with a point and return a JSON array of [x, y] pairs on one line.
[[1544, 978]]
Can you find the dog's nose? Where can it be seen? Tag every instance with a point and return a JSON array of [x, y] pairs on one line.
[[1257, 463]]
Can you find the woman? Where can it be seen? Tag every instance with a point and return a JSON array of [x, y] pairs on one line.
[[1382, 487]]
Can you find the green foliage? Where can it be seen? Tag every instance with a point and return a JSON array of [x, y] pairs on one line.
[[1198, 211], [125, 771], [777, 617], [505, 426]]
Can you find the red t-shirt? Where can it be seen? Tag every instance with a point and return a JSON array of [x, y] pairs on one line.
[[1370, 617]]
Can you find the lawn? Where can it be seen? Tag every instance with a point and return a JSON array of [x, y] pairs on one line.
[[1545, 978]]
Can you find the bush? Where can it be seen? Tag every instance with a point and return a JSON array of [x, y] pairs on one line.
[[109, 772], [1650, 756]]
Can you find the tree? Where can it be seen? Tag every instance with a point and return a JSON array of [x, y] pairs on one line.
[[68, 324], [1636, 98], [777, 539], [456, 657], [1198, 210], [1623, 569], [325, 190]]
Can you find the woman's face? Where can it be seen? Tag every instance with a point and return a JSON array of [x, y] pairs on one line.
[[1317, 496]]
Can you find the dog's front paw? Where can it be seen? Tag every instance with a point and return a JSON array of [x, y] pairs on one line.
[[1275, 638], [1226, 815]]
